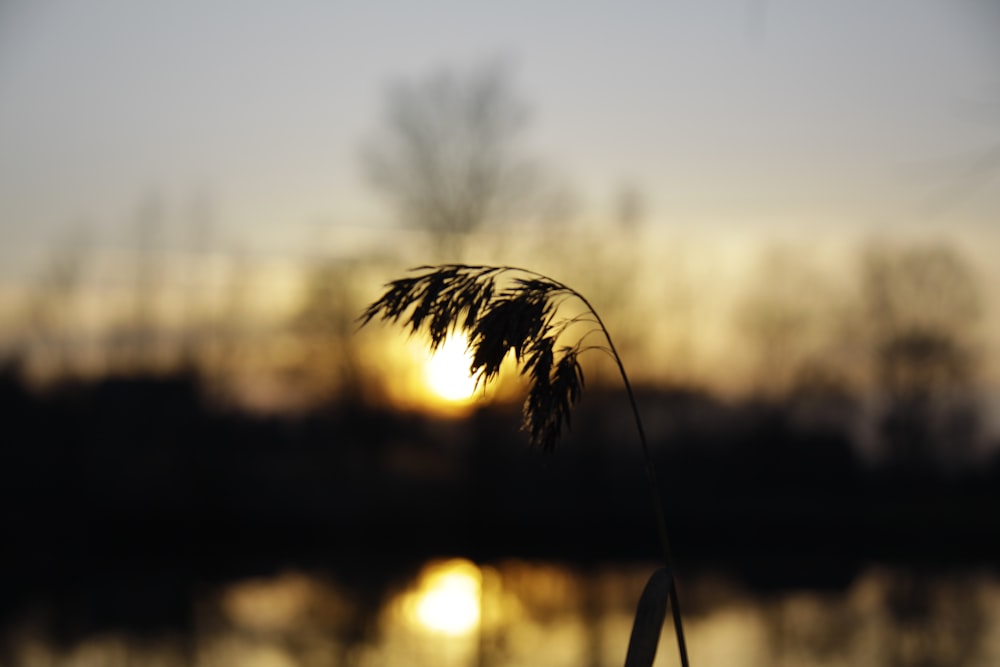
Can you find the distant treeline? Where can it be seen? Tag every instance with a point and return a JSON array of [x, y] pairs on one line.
[[907, 322], [103, 484]]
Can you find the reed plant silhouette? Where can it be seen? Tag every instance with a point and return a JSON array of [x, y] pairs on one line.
[[504, 309]]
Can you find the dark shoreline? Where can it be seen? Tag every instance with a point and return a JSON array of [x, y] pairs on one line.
[[135, 486]]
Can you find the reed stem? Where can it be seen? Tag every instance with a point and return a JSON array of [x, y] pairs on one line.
[[521, 321], [654, 486]]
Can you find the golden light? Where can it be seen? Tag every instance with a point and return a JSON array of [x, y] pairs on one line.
[[447, 371], [447, 599]]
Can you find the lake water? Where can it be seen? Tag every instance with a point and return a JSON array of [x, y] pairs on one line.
[[517, 613]]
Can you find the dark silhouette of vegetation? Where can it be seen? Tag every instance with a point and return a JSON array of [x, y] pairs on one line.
[[521, 317], [518, 318]]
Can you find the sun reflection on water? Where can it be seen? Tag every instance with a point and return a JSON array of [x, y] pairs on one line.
[[447, 598], [514, 613]]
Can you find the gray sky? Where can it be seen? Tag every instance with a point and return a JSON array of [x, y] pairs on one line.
[[739, 114]]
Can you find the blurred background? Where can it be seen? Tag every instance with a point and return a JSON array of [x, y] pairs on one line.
[[787, 214]]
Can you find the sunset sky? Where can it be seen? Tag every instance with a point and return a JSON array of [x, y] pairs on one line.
[[737, 121]]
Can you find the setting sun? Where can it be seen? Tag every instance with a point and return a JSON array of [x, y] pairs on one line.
[[447, 371]]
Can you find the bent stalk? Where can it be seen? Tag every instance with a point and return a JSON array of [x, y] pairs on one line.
[[519, 317], [654, 486]]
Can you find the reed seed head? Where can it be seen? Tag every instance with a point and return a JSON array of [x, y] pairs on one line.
[[498, 315]]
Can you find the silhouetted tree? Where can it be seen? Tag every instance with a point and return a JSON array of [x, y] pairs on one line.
[[142, 332], [922, 303], [51, 310], [326, 324], [795, 324], [446, 155]]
